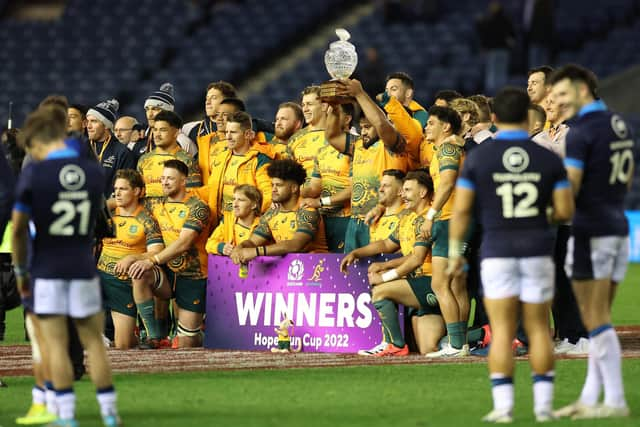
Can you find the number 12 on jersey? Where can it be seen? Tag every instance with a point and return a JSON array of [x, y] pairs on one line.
[[524, 208]]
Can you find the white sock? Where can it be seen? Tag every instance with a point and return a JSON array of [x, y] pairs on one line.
[[593, 383], [543, 392], [502, 392], [50, 395], [37, 395], [610, 363], [107, 401], [66, 403]]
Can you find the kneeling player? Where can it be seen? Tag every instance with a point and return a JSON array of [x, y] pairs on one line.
[[388, 288], [184, 220], [138, 237]]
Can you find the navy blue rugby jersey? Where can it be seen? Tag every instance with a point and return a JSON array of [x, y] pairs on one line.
[[513, 179], [600, 143], [62, 194]]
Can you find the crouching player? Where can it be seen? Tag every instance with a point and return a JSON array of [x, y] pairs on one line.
[[247, 201], [405, 280], [138, 237], [510, 184], [184, 220]]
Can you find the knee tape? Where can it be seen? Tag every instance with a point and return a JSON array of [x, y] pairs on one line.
[[186, 332]]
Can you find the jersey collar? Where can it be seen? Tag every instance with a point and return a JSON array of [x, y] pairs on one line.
[[511, 135], [597, 105], [62, 153]]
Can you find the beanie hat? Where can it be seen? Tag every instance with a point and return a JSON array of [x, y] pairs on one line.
[[162, 98], [105, 112]]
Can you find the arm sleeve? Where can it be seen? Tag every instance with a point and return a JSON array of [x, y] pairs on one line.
[[308, 221], [198, 216], [216, 241], [449, 157], [24, 193], [264, 181], [151, 229], [408, 127], [467, 179], [195, 175], [576, 147], [263, 230]]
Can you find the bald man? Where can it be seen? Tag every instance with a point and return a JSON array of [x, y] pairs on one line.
[[123, 130]]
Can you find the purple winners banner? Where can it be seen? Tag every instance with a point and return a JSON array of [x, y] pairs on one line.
[[331, 312]]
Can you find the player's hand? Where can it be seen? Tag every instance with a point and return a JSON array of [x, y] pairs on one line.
[[375, 279], [310, 203], [350, 87], [122, 266], [455, 267], [373, 215], [138, 268], [427, 226], [244, 255], [227, 249], [23, 284], [235, 255], [349, 259], [376, 267]]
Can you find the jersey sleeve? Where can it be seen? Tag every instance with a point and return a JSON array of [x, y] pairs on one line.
[[420, 240], [198, 216], [576, 146], [467, 179], [308, 221], [560, 180], [24, 190], [395, 235], [215, 243], [316, 168], [263, 181], [408, 127], [263, 230], [449, 156], [151, 229], [195, 175]]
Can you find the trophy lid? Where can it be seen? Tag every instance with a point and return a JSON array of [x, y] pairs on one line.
[[343, 35]]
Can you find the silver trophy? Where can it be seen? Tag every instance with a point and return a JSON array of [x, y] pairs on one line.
[[341, 60]]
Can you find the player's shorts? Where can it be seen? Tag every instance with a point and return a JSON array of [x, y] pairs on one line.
[[421, 287], [531, 279], [118, 294], [336, 231], [440, 239], [190, 294], [284, 344], [596, 258], [77, 298], [357, 235]]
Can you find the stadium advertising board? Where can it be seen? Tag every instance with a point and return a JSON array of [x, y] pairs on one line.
[[634, 235], [331, 312]]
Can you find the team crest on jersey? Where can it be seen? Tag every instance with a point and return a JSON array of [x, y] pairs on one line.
[[515, 159], [619, 126], [133, 229], [292, 224], [182, 214], [72, 177]]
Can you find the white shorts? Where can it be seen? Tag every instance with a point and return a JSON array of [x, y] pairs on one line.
[[77, 298], [530, 279], [597, 258]]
